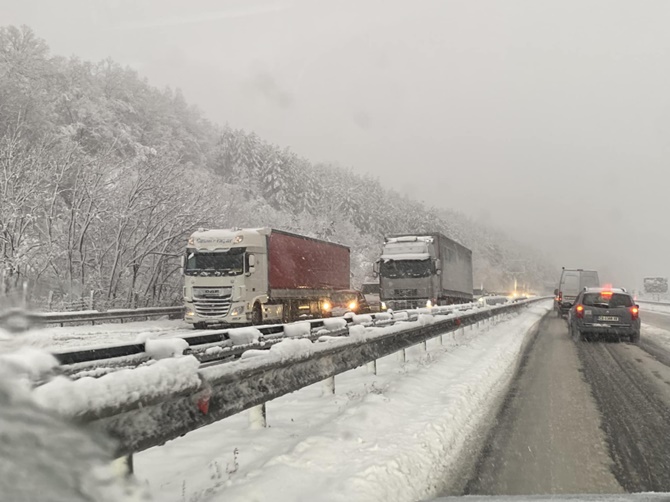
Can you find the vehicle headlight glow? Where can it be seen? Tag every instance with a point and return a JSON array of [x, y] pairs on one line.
[[353, 305], [326, 306], [237, 311], [190, 313], [383, 305], [429, 304]]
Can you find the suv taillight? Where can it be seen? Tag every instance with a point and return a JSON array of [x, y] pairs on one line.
[[579, 311], [634, 313]]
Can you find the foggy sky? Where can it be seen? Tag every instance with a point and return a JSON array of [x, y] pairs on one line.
[[547, 119]]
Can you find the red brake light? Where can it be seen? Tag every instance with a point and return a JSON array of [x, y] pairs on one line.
[[579, 310], [606, 294], [634, 313]]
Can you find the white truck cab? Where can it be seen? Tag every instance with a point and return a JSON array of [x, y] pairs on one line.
[[225, 276]]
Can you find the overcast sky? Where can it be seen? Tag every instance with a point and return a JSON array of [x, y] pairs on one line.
[[547, 119]]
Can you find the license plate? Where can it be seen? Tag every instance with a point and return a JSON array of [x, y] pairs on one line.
[[608, 318]]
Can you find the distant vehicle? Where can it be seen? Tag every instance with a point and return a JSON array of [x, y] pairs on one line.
[[572, 282], [424, 270], [251, 276], [370, 290], [493, 300], [604, 312], [345, 301]]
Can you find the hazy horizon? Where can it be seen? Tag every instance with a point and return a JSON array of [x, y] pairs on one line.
[[544, 120]]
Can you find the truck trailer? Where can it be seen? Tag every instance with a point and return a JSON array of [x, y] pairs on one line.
[[424, 270], [251, 276]]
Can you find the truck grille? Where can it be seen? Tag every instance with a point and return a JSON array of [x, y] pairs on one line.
[[406, 293], [212, 307]]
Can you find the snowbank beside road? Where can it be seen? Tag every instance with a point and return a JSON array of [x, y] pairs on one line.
[[661, 308], [392, 436], [84, 337]]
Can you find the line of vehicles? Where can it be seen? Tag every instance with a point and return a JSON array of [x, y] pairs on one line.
[[262, 275], [593, 310]]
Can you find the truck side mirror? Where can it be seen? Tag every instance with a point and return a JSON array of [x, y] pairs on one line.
[[375, 269], [183, 261]]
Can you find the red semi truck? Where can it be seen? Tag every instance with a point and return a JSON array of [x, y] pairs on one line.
[[242, 276]]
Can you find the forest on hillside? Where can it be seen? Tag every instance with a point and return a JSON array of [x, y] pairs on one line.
[[102, 178]]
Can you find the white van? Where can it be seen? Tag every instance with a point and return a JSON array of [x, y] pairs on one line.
[[572, 282]]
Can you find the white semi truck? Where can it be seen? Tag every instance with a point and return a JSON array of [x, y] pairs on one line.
[[257, 275], [424, 270]]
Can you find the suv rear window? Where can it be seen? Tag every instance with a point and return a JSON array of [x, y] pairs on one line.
[[607, 301]]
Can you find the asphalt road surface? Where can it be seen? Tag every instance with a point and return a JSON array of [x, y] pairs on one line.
[[586, 417]]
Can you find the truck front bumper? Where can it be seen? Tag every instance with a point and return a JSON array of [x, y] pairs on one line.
[[237, 314]]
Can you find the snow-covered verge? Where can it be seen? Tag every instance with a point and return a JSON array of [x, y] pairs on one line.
[[79, 337], [658, 335], [391, 436], [661, 308]]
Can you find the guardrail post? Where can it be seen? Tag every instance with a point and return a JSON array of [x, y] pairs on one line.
[[329, 386], [258, 417], [372, 367], [402, 356], [441, 339], [425, 345], [90, 300]]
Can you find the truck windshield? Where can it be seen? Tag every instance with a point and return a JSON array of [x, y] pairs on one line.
[[395, 269], [231, 263]]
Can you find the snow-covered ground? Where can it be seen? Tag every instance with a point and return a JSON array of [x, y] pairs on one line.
[[658, 335], [654, 307], [391, 436], [78, 337]]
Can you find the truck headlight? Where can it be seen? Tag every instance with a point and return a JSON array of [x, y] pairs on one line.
[[326, 306], [383, 305], [190, 313], [237, 311], [429, 304]]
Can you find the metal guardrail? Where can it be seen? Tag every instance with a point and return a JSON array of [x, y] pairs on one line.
[[219, 336], [653, 302], [92, 316], [229, 389], [271, 334]]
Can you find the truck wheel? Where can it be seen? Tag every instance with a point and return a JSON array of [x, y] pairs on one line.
[[257, 315]]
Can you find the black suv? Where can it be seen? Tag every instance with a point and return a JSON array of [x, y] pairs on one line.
[[608, 312]]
